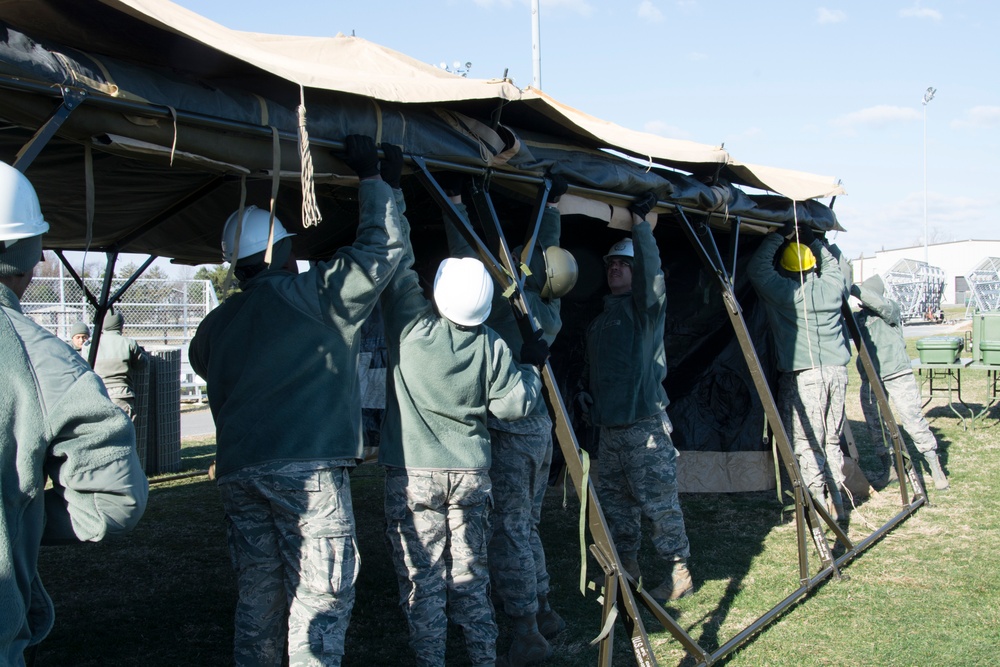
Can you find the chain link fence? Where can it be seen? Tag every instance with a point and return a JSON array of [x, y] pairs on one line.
[[159, 314]]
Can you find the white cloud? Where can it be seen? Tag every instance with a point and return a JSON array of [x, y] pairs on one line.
[[650, 12], [981, 116], [665, 130], [875, 117], [918, 12], [824, 15], [696, 56]]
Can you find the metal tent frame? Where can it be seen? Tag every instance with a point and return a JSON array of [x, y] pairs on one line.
[[622, 595]]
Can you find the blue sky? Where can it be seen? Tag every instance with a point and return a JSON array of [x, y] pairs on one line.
[[832, 88]]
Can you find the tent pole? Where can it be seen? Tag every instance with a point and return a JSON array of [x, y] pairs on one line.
[[734, 246], [91, 299], [102, 306], [72, 97]]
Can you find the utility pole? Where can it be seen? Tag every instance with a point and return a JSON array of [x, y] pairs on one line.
[[536, 48], [928, 96]]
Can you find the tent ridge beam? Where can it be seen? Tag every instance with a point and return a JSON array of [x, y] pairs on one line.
[[264, 132]]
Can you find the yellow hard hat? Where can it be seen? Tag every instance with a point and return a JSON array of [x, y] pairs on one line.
[[797, 257]]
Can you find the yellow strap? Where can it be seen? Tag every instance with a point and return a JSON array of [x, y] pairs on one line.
[[265, 118], [582, 495], [173, 146], [227, 283], [275, 182], [774, 459], [609, 623]]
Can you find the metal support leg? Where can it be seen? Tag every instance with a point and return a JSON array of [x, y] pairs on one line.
[[72, 98]]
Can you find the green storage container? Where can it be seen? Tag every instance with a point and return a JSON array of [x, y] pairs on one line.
[[991, 352], [940, 349], [985, 328]]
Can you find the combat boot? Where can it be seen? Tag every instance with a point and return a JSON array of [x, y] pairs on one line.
[[678, 584], [940, 481], [550, 623], [529, 646], [888, 475]]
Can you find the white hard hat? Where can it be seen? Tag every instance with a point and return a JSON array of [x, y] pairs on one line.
[[20, 213], [256, 226], [463, 291], [622, 248]]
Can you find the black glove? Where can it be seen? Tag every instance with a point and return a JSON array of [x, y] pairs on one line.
[[391, 166], [643, 204], [558, 189], [452, 182], [856, 291], [787, 229], [360, 155], [806, 235], [534, 350]]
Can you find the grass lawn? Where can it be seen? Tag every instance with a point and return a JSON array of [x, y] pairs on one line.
[[926, 594]]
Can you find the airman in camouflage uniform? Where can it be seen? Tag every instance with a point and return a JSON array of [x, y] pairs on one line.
[[522, 450], [446, 370], [803, 300], [281, 358], [881, 323], [624, 395]]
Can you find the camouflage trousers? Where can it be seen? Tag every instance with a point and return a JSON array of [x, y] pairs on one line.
[[437, 528], [904, 395], [638, 476], [520, 476], [811, 404], [292, 541]]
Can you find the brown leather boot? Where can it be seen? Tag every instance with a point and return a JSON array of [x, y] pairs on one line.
[[678, 584]]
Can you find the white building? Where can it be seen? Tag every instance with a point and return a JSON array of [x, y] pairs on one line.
[[956, 258]]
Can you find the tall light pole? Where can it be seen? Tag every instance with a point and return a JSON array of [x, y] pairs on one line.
[[928, 96], [536, 47]]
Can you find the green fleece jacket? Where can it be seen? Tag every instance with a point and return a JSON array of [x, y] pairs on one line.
[[544, 312], [56, 424], [804, 311], [280, 359], [625, 363], [441, 381], [881, 323], [118, 357]]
